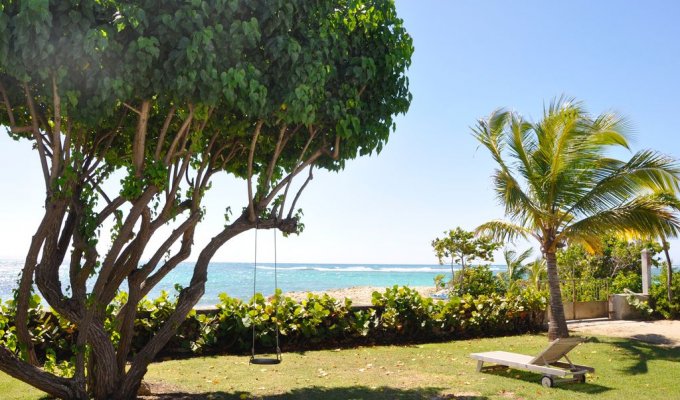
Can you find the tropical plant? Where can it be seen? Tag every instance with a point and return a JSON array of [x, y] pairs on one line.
[[665, 246], [658, 296], [669, 271], [477, 280], [462, 247], [515, 263], [560, 185], [626, 281], [134, 108], [537, 272]]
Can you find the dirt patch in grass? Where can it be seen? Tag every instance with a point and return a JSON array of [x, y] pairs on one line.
[[663, 333]]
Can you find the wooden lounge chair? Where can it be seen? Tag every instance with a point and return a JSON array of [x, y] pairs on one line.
[[547, 362]]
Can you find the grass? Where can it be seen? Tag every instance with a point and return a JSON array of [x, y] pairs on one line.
[[624, 369]]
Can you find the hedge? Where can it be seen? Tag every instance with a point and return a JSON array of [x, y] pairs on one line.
[[398, 315]]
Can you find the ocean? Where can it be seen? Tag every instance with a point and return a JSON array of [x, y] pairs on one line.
[[236, 279]]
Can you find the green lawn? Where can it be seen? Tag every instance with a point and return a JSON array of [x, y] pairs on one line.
[[624, 370]]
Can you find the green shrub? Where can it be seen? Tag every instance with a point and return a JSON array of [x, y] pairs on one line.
[[408, 316], [52, 335], [630, 280], [400, 314], [405, 313], [476, 281], [658, 296]]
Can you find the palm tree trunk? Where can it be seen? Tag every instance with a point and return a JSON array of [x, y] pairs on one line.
[[557, 326], [669, 271]]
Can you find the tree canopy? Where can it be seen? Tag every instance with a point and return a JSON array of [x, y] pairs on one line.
[[171, 94], [462, 247]]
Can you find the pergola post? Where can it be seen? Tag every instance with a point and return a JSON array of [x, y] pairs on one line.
[[646, 271]]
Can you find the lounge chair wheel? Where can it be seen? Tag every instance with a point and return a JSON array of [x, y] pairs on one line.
[[581, 378], [547, 381]]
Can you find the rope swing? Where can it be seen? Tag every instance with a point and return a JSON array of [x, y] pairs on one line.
[[254, 358]]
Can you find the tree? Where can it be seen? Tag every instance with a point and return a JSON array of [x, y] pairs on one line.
[[663, 237], [516, 268], [462, 247], [616, 255], [537, 272], [559, 185], [669, 268], [170, 95]]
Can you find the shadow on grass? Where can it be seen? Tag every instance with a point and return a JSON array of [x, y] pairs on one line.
[[534, 378], [639, 352], [312, 393]]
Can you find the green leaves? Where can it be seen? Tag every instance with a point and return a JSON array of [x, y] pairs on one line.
[[462, 247], [557, 184]]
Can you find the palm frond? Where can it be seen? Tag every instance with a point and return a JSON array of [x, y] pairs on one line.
[[502, 231], [518, 204], [652, 215], [515, 263], [647, 170], [610, 129], [489, 132]]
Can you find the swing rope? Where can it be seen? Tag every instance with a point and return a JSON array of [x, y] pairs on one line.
[[253, 357]]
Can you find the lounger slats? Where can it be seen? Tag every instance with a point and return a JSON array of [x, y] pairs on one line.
[[556, 350], [519, 361], [547, 362]]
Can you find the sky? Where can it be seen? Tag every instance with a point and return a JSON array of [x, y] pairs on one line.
[[470, 58]]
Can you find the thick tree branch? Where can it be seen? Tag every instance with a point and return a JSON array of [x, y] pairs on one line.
[[138, 146], [25, 284], [48, 383], [123, 236], [251, 156]]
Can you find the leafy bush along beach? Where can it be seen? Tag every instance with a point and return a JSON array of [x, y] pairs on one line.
[[398, 315]]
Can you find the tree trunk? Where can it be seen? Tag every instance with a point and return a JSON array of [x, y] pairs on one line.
[[557, 327], [461, 280], [669, 271], [453, 276]]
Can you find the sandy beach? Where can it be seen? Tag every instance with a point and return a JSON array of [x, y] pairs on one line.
[[360, 295]]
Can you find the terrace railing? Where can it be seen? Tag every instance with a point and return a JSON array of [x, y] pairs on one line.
[[574, 290]]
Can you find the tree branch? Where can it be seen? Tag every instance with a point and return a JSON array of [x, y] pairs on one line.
[[38, 141], [288, 178], [251, 155], [302, 188], [164, 131], [138, 146], [182, 131], [10, 112], [45, 381], [56, 133], [312, 134]]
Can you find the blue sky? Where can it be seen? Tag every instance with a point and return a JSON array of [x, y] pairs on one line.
[[470, 58]]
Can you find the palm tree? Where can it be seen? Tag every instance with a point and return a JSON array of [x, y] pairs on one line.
[[559, 185], [537, 272], [516, 268]]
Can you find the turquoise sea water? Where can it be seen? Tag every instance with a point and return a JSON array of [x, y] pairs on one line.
[[236, 279]]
